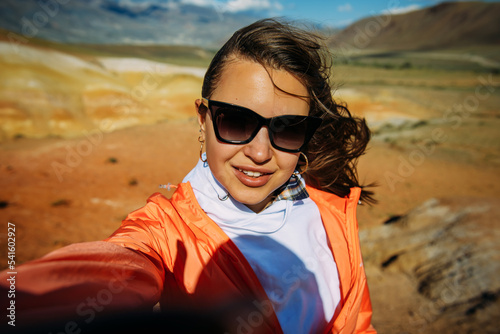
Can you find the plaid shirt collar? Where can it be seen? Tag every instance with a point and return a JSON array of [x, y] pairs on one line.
[[294, 190]]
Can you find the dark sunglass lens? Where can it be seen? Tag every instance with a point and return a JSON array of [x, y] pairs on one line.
[[235, 125], [289, 132]]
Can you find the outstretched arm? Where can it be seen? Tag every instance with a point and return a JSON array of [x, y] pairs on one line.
[[80, 282]]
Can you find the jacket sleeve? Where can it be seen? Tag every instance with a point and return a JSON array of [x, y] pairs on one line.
[[81, 281], [363, 324], [124, 273]]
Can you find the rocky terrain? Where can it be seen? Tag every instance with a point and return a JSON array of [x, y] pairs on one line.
[[438, 266], [442, 26], [50, 93]]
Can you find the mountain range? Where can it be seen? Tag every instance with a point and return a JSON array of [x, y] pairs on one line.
[[177, 22], [447, 25], [111, 22]]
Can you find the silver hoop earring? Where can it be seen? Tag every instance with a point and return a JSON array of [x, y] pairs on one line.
[[297, 173], [201, 148]]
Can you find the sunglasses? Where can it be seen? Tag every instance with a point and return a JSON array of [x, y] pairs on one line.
[[234, 124]]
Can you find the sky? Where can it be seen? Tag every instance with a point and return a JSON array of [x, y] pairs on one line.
[[336, 13]]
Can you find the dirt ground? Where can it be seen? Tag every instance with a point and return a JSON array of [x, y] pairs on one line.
[[60, 191]]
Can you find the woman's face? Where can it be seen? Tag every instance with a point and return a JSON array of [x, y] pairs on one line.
[[248, 84]]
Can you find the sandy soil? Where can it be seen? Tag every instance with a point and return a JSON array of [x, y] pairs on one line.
[[108, 175], [59, 191], [64, 191]]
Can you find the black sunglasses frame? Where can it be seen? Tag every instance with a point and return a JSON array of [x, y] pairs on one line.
[[312, 124]]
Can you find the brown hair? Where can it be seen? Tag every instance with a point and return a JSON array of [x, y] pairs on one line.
[[335, 147]]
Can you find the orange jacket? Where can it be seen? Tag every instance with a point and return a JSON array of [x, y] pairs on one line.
[[182, 258]]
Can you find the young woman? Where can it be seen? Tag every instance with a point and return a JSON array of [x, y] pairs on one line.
[[266, 216]]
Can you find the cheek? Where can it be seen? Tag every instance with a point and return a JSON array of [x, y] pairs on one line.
[[211, 142], [288, 167], [287, 162], [217, 153]]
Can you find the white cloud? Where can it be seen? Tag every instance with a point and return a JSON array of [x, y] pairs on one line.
[[401, 10], [237, 5], [138, 5], [345, 8], [202, 3], [243, 5]]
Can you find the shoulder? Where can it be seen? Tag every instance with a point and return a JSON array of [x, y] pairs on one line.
[[179, 215], [338, 213], [334, 202], [155, 224], [161, 209]]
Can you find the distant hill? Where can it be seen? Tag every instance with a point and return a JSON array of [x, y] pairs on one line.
[[447, 25], [127, 22], [174, 54]]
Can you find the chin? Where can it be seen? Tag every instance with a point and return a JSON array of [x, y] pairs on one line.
[[254, 204]]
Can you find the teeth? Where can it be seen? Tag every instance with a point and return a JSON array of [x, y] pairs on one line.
[[250, 173]]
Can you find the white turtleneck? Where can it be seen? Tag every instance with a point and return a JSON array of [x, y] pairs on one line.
[[285, 244]]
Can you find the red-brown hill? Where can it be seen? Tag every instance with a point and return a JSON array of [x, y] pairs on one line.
[[447, 25]]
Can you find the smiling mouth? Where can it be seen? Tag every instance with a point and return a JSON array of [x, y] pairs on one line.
[[252, 174]]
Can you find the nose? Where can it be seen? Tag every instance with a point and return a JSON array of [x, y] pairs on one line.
[[259, 150]]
